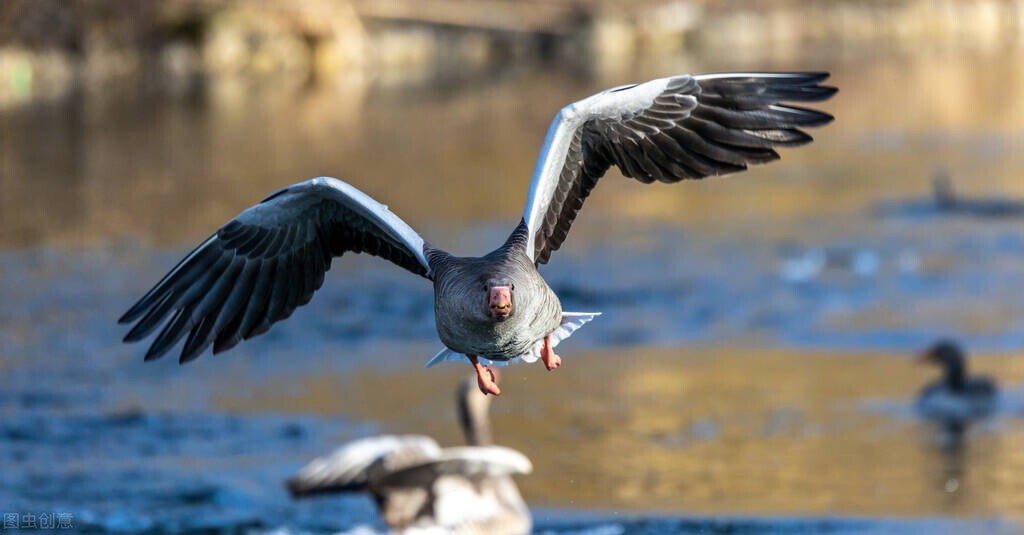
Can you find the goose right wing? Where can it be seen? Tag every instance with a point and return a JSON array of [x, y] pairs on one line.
[[265, 263]]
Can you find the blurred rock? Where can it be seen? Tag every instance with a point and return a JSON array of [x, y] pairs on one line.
[[263, 38], [248, 42], [50, 47], [26, 74]]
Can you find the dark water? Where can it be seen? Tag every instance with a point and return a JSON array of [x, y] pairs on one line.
[[751, 373]]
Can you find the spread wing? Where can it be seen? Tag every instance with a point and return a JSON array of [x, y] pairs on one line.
[[265, 263], [665, 130], [468, 461], [401, 461], [353, 466]]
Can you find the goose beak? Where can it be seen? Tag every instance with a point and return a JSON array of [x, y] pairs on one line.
[[924, 357], [500, 302]]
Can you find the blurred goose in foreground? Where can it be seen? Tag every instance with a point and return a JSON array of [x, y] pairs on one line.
[[419, 487], [956, 398], [270, 259]]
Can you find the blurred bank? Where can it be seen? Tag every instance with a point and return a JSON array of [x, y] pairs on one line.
[[50, 48]]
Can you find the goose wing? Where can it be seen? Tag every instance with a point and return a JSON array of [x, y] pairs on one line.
[[262, 265], [665, 130], [468, 461], [353, 466]]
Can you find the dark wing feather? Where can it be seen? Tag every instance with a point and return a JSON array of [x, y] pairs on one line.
[[666, 130], [263, 264]]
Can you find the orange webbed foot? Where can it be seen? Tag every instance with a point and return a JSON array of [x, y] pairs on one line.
[[547, 354], [485, 378]]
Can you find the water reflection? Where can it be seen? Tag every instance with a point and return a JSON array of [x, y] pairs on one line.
[[111, 167], [712, 431], [945, 201]]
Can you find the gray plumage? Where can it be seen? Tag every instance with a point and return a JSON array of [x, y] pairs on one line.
[[419, 486], [271, 258], [460, 304]]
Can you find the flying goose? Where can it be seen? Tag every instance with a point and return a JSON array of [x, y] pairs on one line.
[[263, 264], [420, 487], [955, 398]]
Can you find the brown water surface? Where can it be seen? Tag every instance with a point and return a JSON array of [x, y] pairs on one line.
[[712, 430], [95, 169]]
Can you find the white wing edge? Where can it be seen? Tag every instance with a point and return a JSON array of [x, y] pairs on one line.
[[445, 355], [546, 173], [369, 207], [470, 461], [571, 322], [348, 463], [487, 460]]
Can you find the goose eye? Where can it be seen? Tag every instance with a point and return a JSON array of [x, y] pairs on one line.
[[512, 287]]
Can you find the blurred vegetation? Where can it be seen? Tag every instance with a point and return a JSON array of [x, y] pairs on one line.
[[49, 48]]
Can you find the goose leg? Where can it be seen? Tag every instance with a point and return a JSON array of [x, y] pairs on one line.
[[547, 354], [484, 377]]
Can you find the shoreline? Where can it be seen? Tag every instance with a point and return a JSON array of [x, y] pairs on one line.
[[174, 46]]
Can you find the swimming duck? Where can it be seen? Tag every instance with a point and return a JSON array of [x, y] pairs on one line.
[[419, 486], [269, 260], [956, 398], [946, 201]]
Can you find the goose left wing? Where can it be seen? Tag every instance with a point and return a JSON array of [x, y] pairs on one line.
[[665, 130], [355, 465], [468, 461]]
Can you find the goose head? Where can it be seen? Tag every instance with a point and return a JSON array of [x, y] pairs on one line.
[[948, 355], [500, 298]]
